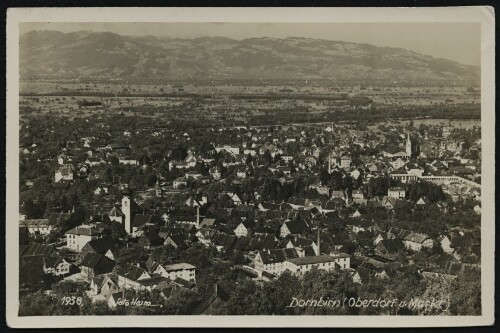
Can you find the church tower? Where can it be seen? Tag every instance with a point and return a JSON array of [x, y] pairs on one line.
[[408, 144], [127, 211]]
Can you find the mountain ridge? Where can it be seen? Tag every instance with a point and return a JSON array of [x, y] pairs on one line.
[[87, 53]]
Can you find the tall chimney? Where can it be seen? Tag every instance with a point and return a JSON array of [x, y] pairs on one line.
[[198, 217], [329, 163], [319, 239]]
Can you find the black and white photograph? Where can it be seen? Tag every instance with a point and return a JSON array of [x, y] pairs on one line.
[[285, 169]]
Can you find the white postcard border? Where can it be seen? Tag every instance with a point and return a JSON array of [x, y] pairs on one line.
[[485, 15]]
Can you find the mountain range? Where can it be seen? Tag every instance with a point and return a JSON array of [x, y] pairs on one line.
[[105, 54]]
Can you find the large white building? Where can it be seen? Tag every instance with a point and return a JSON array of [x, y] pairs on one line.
[[79, 236], [184, 271], [301, 265]]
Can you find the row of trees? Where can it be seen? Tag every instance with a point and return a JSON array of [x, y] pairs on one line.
[[283, 296]]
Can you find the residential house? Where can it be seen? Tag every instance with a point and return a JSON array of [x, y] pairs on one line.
[[130, 276], [65, 172], [183, 271], [179, 241], [37, 226], [215, 173], [381, 236], [272, 261], [205, 235], [390, 247], [223, 242], [304, 246], [104, 245], [344, 162], [358, 194], [149, 239], [294, 228], [56, 265], [96, 264], [301, 265], [445, 243], [396, 192], [79, 236], [179, 183], [243, 228], [416, 241], [421, 202], [234, 198]]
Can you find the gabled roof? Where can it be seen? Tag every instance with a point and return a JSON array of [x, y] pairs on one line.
[[263, 241], [301, 242], [178, 267], [99, 262], [141, 219], [297, 226], [131, 272], [224, 240], [207, 222], [153, 237], [34, 223], [277, 255], [207, 233], [153, 281], [87, 230], [116, 212], [416, 237], [178, 239], [35, 249], [312, 260], [52, 261], [57, 218], [392, 245], [100, 245]]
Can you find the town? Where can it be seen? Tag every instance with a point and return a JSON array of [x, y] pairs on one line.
[[193, 199]]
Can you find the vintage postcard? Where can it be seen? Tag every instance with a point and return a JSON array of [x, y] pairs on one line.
[[250, 167]]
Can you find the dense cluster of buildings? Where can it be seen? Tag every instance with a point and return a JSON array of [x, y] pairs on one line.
[[274, 235]]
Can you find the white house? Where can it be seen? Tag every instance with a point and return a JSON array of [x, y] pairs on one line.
[[64, 172], [445, 243], [129, 277], [241, 230], [179, 182], [37, 226], [396, 192], [415, 241], [79, 236], [215, 173], [184, 271], [300, 266], [272, 261]]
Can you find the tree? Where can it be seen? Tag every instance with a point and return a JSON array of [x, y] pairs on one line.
[[336, 180], [34, 209], [333, 285], [466, 294], [117, 230], [151, 179]]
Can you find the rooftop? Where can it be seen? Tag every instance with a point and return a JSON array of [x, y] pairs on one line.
[[314, 259]]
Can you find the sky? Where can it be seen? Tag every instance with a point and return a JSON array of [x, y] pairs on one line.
[[455, 41]]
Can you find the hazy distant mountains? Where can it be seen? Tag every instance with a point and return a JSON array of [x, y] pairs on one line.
[[108, 54]]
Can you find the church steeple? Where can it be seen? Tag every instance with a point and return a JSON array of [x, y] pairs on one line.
[[408, 144]]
